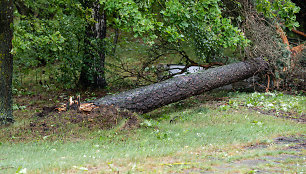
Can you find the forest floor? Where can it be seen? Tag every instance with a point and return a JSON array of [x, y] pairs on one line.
[[217, 132]]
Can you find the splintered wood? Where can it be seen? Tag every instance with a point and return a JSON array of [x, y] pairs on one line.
[[87, 107], [76, 105], [283, 36], [295, 50], [298, 49]]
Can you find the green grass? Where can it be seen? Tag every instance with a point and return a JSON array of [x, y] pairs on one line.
[[200, 132]]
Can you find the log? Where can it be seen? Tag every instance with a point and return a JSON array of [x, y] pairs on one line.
[[148, 98]]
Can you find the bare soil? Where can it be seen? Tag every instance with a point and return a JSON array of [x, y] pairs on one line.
[[51, 124], [289, 115]]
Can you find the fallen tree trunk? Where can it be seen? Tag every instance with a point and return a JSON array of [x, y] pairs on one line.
[[148, 98]]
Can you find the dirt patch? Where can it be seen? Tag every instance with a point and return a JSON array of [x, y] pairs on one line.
[[51, 124], [294, 142], [289, 115], [259, 165], [103, 117], [46, 111], [257, 146], [297, 143], [286, 140]]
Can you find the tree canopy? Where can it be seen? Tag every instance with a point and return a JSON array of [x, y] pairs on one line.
[[48, 33]]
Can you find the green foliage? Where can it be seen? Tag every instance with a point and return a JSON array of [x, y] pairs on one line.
[[51, 33], [55, 37], [149, 123], [21, 170], [282, 10], [36, 42], [130, 18], [53, 42], [275, 101], [18, 107], [201, 24]]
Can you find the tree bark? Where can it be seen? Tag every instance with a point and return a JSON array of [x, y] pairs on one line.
[[146, 99], [6, 61], [116, 38], [92, 73]]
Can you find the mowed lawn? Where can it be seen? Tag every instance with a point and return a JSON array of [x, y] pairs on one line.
[[221, 133]]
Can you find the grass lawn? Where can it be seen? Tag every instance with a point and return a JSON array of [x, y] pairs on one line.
[[216, 132]]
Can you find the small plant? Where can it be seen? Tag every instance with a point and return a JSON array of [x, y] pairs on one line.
[[149, 123], [270, 101], [224, 107], [275, 101], [21, 170], [231, 104], [160, 135], [18, 107]]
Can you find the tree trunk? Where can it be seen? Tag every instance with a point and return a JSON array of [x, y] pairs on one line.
[[6, 61], [116, 38], [146, 99], [92, 73], [100, 33]]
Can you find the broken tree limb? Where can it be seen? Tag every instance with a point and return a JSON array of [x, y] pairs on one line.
[[298, 32], [297, 49], [283, 35], [148, 98], [191, 62]]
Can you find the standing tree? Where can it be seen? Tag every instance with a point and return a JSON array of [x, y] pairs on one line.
[[172, 22], [124, 15], [92, 73], [6, 61]]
